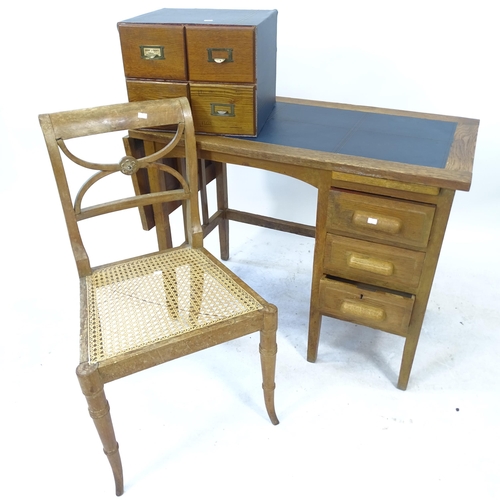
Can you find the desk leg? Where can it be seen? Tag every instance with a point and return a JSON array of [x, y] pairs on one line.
[[222, 206], [202, 186], [208, 171], [314, 331], [315, 315], [409, 351], [443, 208]]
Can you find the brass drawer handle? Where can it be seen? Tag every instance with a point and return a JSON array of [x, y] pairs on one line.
[[222, 109], [217, 58], [364, 311], [365, 263], [384, 223], [150, 52]]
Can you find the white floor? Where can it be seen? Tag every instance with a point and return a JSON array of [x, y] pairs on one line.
[[197, 427]]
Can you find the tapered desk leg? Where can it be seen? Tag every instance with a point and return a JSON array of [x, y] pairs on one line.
[[313, 338], [222, 206], [315, 315], [409, 351]]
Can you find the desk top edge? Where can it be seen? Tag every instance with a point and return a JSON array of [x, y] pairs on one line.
[[456, 175], [374, 109]]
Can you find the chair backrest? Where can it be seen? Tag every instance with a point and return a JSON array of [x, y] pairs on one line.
[[60, 127]]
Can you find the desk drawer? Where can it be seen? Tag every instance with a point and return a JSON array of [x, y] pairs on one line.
[[378, 309], [366, 262], [376, 217], [226, 54]]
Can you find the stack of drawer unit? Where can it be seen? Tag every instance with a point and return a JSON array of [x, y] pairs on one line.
[[223, 61]]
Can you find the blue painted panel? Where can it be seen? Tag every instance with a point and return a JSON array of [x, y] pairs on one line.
[[402, 139]]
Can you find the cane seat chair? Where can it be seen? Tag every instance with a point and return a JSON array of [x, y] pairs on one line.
[[149, 309]]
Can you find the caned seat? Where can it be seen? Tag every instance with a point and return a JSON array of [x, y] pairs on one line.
[[143, 301], [149, 309]]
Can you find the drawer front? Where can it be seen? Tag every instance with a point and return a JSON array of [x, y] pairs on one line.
[[380, 218], [223, 109], [372, 263], [221, 54], [153, 51], [378, 309], [145, 90]]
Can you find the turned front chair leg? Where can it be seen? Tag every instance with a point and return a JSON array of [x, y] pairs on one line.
[[93, 390], [268, 349]]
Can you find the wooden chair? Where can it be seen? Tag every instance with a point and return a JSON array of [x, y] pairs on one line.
[[146, 310]]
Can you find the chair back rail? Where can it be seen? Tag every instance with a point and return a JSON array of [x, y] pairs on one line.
[[63, 126]]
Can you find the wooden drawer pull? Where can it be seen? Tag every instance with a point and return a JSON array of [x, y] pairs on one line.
[[384, 223], [382, 267], [364, 311]]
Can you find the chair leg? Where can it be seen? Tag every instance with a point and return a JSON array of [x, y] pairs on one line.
[[268, 349], [93, 390]]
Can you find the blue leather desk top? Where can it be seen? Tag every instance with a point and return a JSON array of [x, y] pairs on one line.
[[402, 139]]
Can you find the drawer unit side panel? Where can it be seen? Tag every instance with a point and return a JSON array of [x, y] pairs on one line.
[[266, 45]]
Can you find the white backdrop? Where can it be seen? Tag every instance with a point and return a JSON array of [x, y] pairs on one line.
[[438, 56]]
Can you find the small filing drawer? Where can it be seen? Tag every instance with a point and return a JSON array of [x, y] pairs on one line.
[[223, 109], [202, 51], [378, 309], [376, 217], [225, 54], [144, 90], [155, 52], [381, 265]]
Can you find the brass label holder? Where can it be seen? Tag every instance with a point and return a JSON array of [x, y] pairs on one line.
[[222, 109], [214, 55], [151, 52]]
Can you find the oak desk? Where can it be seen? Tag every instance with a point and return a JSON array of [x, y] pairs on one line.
[[386, 181]]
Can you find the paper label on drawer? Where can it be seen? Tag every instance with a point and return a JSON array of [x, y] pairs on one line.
[[371, 220]]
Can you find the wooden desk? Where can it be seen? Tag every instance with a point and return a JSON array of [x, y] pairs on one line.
[[386, 181]]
